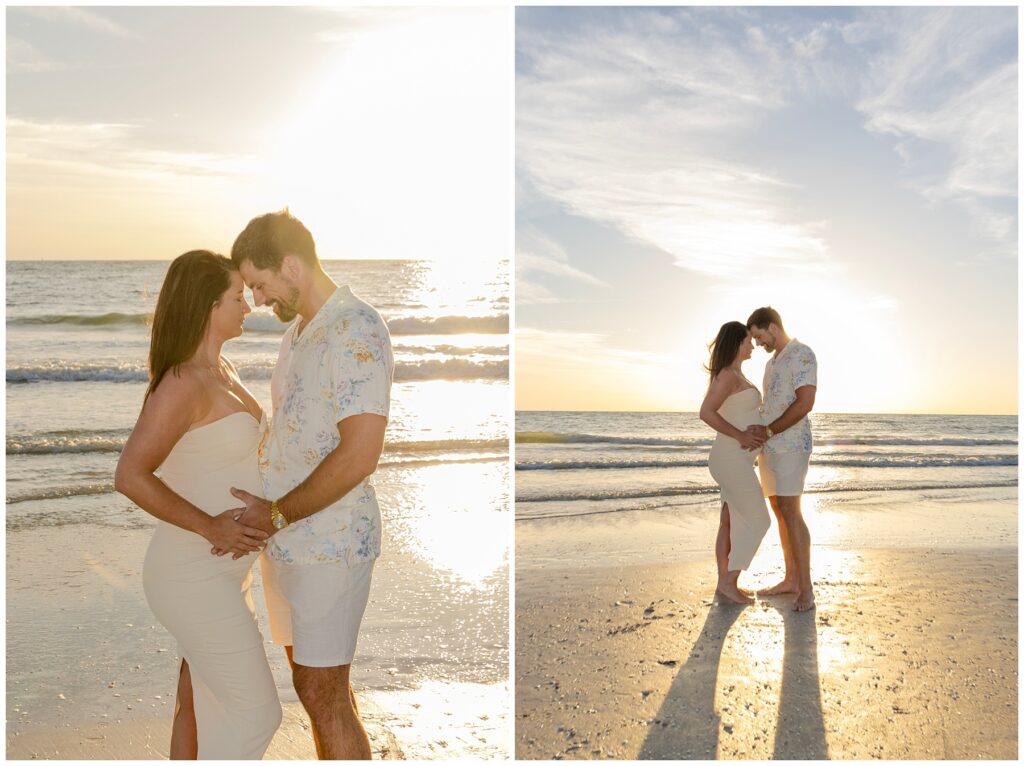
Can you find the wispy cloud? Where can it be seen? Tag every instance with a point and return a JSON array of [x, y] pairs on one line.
[[615, 120], [65, 153], [23, 57], [81, 17], [638, 119], [539, 258], [947, 79], [585, 349]]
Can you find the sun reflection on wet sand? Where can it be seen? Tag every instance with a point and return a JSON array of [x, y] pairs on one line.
[[761, 665], [441, 720], [455, 517], [433, 650]]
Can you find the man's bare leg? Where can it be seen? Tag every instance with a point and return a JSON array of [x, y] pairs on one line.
[[800, 543], [790, 581], [184, 738], [327, 696]]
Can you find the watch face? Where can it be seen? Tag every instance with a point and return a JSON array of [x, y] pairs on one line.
[[279, 522]]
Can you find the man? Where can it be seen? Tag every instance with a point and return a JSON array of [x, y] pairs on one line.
[[790, 385], [331, 392]]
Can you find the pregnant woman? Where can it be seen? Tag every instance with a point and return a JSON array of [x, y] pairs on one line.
[[197, 437], [732, 408]]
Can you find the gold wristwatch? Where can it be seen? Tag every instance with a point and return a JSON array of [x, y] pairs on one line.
[[276, 517], [768, 430]]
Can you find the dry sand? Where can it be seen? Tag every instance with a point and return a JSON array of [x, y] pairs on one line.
[[911, 653]]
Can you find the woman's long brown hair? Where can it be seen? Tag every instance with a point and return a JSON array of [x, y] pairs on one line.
[[724, 348], [193, 286]]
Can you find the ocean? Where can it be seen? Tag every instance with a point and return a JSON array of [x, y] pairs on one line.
[[78, 625], [588, 463], [77, 343]]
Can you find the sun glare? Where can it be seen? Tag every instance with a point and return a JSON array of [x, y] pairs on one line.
[[398, 150], [461, 501], [857, 338]]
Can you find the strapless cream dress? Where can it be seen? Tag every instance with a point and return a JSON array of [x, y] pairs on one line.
[[733, 468], [205, 602]]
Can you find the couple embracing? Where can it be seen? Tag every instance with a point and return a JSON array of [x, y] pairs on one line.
[[226, 482], [777, 434]]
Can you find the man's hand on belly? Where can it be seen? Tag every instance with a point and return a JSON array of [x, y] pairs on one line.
[[256, 512]]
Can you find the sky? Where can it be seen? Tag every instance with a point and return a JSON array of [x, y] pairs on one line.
[[140, 133], [854, 168]]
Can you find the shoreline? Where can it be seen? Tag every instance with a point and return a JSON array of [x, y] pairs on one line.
[[861, 520]]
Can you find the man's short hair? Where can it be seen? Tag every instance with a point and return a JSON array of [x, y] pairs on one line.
[[268, 238], [763, 317]]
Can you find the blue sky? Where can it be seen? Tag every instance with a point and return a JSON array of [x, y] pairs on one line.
[[855, 168], [141, 132]]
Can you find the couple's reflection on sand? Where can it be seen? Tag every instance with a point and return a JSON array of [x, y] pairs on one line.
[[688, 724]]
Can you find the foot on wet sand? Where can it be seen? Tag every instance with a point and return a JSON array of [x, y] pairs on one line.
[[804, 601], [786, 586], [731, 594]]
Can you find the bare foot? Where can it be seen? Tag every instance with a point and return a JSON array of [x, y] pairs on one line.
[[804, 602], [732, 594], [786, 586]]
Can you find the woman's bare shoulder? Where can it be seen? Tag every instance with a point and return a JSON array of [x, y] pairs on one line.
[[182, 389], [729, 379]]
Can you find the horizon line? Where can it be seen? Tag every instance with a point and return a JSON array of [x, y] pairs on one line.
[[695, 412]]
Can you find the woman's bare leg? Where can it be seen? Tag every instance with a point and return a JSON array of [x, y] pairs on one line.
[[184, 740], [727, 581], [722, 544]]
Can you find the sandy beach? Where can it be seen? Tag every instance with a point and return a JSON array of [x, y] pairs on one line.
[[91, 674], [911, 653]]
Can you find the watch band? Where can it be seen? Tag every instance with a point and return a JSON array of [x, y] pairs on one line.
[[276, 517]]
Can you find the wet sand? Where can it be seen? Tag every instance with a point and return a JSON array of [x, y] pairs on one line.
[[149, 738], [911, 653], [92, 675]]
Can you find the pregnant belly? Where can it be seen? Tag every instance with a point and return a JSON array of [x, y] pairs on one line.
[[727, 450], [178, 556], [211, 490]]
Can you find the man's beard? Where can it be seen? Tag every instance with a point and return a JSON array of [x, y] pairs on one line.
[[286, 312]]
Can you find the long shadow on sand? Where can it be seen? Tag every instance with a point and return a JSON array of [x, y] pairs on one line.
[[687, 723], [800, 730]]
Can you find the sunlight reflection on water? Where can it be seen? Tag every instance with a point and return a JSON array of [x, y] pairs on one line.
[[453, 516]]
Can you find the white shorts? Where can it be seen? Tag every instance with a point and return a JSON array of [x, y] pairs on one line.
[[316, 608], [783, 473]]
